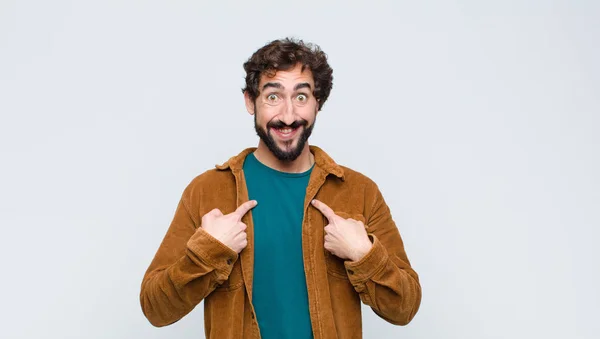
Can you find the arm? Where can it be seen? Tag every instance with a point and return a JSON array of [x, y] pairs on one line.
[[187, 267], [384, 278]]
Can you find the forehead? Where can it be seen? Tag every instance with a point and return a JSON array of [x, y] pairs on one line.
[[290, 77]]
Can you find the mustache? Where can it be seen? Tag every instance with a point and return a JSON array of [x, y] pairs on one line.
[[280, 124]]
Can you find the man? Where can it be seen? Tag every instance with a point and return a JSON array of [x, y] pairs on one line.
[[280, 241]]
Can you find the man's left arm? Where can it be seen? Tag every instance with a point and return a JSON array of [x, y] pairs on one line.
[[384, 277]]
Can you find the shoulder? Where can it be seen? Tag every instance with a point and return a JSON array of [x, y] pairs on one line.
[[356, 188], [211, 177], [210, 180], [222, 174], [345, 176], [354, 195], [357, 179]]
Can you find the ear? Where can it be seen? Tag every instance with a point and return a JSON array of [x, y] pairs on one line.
[[249, 103], [317, 110]]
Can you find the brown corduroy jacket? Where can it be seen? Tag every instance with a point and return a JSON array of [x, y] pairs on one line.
[[191, 266]]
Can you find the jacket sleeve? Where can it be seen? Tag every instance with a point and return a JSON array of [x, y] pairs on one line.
[[188, 266], [384, 278]]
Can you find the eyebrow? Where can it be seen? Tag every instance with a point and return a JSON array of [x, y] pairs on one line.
[[272, 84], [302, 85], [279, 86]]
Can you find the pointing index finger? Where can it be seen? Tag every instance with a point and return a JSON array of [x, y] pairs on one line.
[[326, 210], [244, 208]]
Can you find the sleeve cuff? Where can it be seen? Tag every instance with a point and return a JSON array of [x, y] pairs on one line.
[[213, 253], [365, 268]]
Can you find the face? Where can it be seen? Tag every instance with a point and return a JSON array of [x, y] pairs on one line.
[[285, 111]]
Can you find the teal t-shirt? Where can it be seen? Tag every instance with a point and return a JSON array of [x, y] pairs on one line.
[[279, 292]]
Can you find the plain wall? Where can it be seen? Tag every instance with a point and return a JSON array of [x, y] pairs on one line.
[[477, 119]]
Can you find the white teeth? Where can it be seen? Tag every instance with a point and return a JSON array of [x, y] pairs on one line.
[[285, 130]]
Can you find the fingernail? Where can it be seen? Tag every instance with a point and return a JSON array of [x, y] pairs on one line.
[[314, 201]]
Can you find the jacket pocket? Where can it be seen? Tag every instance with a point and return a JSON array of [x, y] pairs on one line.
[[335, 265]]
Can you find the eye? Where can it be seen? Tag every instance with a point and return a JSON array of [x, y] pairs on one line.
[[302, 97], [272, 97]]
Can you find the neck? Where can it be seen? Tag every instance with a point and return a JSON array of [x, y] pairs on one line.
[[302, 164]]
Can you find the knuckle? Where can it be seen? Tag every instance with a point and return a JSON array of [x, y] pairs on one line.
[[207, 215]]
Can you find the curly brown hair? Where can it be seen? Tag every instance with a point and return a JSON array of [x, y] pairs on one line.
[[284, 54]]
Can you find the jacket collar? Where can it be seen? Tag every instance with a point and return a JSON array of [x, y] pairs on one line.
[[322, 160]]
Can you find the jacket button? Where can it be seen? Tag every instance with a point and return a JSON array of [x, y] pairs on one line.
[[228, 261]]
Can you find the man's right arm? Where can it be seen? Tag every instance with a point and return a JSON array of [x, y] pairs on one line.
[[187, 267]]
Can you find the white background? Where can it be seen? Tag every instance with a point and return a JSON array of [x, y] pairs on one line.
[[478, 120]]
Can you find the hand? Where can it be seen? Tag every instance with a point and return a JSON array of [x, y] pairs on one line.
[[228, 229], [344, 238]]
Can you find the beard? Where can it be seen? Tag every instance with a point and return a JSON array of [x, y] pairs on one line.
[[288, 154]]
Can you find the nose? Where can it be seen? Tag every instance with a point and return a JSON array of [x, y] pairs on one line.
[[287, 112]]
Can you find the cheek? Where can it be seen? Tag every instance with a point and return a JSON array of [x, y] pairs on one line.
[[265, 114], [312, 109], [309, 114]]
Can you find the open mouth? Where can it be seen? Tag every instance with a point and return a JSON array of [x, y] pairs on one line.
[[286, 132]]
